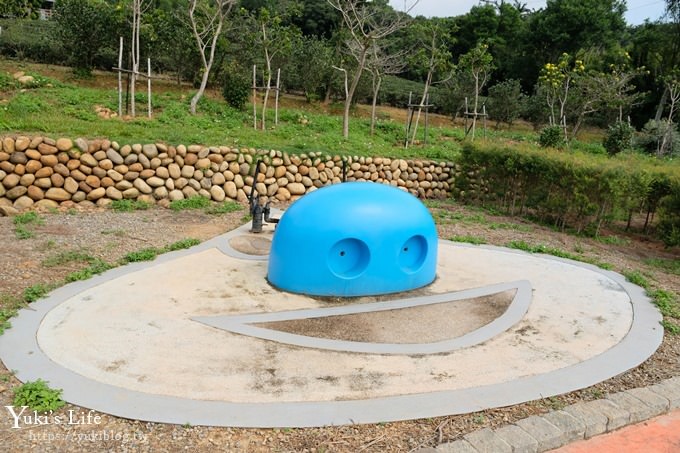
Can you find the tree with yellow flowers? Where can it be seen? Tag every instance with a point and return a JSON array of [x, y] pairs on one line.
[[556, 79]]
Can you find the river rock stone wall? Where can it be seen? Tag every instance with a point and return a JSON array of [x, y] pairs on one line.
[[43, 172]]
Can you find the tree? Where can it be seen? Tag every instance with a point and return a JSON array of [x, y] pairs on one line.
[[365, 24], [25, 9], [380, 64], [478, 63], [207, 19], [138, 8], [506, 100], [432, 54], [83, 28], [673, 88], [556, 81]]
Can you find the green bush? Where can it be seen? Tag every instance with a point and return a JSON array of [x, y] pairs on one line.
[[235, 88], [570, 190], [551, 136], [619, 138], [38, 396]]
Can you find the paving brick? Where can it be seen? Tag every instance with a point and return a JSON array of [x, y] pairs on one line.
[[546, 434], [669, 389], [487, 441], [459, 446], [616, 416], [573, 428], [519, 440], [595, 422], [656, 402], [638, 410]]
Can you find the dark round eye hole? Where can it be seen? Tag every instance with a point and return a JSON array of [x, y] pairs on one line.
[[406, 249], [342, 253]]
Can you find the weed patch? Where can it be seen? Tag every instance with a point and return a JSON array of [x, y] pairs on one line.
[[670, 266], [224, 208], [65, 257], [38, 396], [469, 239], [190, 203], [129, 205], [97, 266]]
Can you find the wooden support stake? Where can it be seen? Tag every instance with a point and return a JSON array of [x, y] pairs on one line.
[[254, 96], [276, 102], [120, 80], [148, 83]]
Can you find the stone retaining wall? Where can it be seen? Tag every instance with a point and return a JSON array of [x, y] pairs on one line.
[[44, 172]]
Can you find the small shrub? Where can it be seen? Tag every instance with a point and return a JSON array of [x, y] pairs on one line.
[[235, 88], [35, 292], [38, 396], [551, 136], [619, 138]]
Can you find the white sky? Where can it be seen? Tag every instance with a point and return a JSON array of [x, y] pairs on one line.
[[638, 10]]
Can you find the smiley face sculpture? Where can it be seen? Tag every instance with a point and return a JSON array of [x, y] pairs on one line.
[[354, 239]]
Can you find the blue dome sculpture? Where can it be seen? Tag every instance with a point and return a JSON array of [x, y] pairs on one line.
[[354, 239]]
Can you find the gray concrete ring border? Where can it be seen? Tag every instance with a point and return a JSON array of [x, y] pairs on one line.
[[243, 324], [19, 351]]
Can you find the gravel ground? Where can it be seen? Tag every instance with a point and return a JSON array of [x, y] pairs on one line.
[[110, 235]]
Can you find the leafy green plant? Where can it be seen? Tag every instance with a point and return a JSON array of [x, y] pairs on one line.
[[225, 207], [35, 292], [97, 266], [67, 256], [147, 254], [38, 396], [21, 222], [181, 245], [28, 218], [129, 205], [551, 136], [668, 265], [636, 278], [235, 88], [190, 203], [671, 328], [5, 315], [619, 138], [21, 232], [469, 239], [666, 301]]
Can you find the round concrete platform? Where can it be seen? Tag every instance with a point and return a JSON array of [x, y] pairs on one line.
[[160, 341]]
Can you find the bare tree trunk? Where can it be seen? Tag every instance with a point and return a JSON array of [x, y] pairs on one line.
[[377, 81], [267, 89], [350, 94], [474, 107], [211, 30], [428, 82]]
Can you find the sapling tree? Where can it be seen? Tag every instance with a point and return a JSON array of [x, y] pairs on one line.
[[478, 62], [365, 23], [207, 19]]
